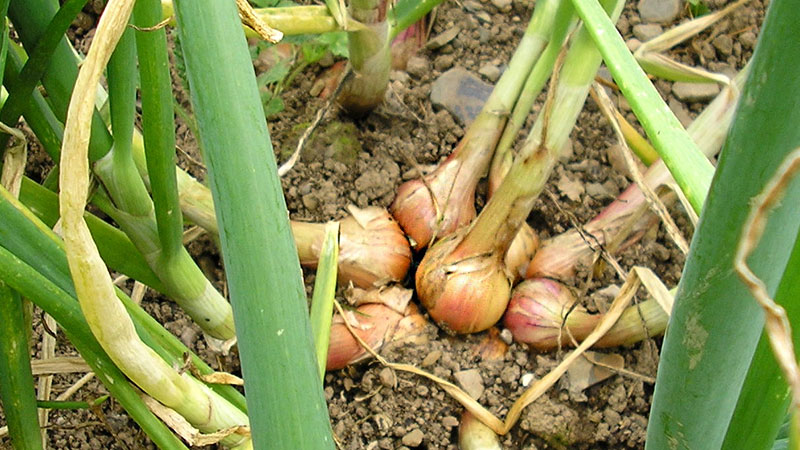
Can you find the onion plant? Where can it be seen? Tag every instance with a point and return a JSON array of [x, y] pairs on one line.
[[463, 280], [442, 201], [713, 366], [124, 196]]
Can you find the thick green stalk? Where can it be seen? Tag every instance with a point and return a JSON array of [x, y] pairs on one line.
[[36, 245], [701, 384], [290, 20], [689, 167], [107, 318], [16, 379], [508, 208], [36, 111], [158, 126], [117, 250], [122, 179], [64, 309], [284, 392], [180, 278], [31, 19], [20, 90], [756, 422], [370, 58], [503, 158]]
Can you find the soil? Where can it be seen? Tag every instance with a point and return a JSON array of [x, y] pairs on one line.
[[372, 407]]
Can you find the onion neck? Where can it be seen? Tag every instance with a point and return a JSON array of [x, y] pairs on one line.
[[500, 220], [308, 239]]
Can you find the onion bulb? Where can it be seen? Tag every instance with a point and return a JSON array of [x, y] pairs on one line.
[[462, 293], [543, 314], [382, 316], [373, 250]]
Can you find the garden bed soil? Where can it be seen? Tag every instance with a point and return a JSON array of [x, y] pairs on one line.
[[372, 407]]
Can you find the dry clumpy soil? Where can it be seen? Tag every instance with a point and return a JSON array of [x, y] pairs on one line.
[[372, 407]]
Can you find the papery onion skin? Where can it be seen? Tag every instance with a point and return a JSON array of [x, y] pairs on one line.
[[373, 250], [536, 312], [462, 294], [474, 435], [378, 322], [377, 325], [535, 316], [522, 249], [416, 212]]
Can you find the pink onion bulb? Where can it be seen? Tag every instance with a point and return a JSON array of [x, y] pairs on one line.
[[462, 294]]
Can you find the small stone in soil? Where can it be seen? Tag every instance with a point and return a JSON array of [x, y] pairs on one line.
[[442, 39], [431, 358], [570, 188], [646, 31], [695, 92], [388, 378], [506, 336], [413, 438], [470, 380], [598, 191], [680, 112], [525, 380], [724, 44], [418, 66], [449, 421], [461, 93], [472, 5], [659, 11], [633, 44], [748, 39], [490, 71], [502, 5]]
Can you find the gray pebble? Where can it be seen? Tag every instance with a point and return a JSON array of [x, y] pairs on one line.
[[646, 31], [724, 44], [695, 92], [659, 11], [502, 5], [461, 93], [413, 438], [490, 71], [418, 66]]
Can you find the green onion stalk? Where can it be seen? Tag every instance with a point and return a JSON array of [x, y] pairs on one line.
[[16, 381], [559, 256], [370, 58], [123, 196], [106, 316], [33, 244], [156, 232], [443, 201], [290, 20], [503, 157], [462, 280]]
